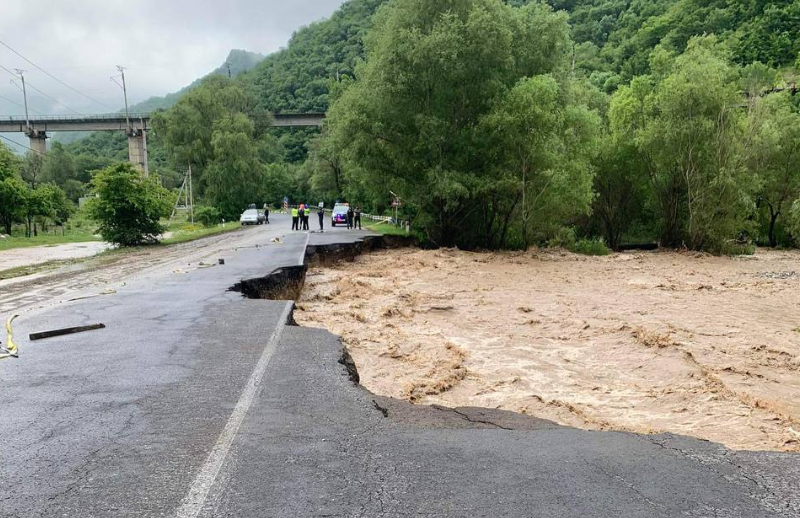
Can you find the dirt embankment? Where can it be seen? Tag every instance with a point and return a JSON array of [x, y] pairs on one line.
[[644, 342]]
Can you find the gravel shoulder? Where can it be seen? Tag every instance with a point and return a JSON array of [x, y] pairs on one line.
[[107, 272]]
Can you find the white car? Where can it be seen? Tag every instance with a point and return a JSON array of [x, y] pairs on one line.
[[250, 217]]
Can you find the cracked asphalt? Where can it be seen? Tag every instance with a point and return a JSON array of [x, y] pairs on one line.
[[121, 421]]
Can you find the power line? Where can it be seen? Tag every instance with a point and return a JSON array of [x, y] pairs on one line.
[[53, 99], [55, 78], [12, 102], [18, 104], [21, 145], [42, 93]]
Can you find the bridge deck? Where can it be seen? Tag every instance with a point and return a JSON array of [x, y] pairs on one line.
[[118, 122]]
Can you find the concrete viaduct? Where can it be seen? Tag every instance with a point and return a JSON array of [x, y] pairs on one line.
[[136, 127]]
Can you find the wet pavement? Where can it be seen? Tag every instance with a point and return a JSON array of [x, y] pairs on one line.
[[195, 401]]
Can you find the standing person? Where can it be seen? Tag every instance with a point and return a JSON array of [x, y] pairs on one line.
[[295, 216], [350, 215], [358, 218], [307, 216], [302, 215], [321, 214], [266, 213]]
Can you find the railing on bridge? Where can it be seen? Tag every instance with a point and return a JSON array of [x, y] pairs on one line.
[[76, 117], [133, 116]]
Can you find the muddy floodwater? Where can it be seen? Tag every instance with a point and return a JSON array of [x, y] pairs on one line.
[[645, 342]]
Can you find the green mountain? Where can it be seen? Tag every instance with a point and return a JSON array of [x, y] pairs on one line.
[[299, 77], [238, 62], [618, 36], [614, 40], [613, 43]]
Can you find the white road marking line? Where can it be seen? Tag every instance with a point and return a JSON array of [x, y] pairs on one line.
[[193, 502]]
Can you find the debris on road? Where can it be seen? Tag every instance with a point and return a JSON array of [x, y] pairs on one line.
[[11, 350], [101, 294], [65, 331]]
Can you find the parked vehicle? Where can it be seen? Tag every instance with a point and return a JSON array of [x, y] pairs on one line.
[[339, 214], [251, 217]]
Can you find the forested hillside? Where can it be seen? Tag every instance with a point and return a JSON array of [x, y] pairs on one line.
[[616, 37], [237, 62], [611, 74]]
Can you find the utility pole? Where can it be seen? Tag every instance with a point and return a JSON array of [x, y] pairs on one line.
[[227, 64], [125, 94], [25, 97], [191, 195]]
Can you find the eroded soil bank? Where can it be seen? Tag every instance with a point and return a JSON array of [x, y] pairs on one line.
[[643, 342]]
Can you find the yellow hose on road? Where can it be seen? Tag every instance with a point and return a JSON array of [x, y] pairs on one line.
[[11, 351]]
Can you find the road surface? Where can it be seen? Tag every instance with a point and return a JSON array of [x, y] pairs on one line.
[[197, 402]]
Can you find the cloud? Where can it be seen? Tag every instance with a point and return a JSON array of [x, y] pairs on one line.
[[165, 44]]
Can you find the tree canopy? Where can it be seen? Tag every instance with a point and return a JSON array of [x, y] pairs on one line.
[[502, 123]]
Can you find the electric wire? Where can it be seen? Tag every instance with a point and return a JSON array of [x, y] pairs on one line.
[[28, 83], [20, 105], [21, 145], [55, 78]]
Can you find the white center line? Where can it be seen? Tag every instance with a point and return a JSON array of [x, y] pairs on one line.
[[193, 502]]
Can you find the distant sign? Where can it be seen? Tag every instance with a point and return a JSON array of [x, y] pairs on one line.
[[285, 199]]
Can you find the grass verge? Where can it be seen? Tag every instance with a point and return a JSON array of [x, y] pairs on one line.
[[15, 241], [386, 229], [185, 233]]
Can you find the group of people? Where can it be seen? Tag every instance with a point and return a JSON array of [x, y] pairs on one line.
[[302, 213], [354, 218]]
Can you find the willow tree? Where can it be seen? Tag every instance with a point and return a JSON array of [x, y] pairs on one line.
[[688, 126], [411, 122], [776, 157], [543, 142], [190, 130]]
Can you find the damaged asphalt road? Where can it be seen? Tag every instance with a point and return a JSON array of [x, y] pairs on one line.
[[197, 401]]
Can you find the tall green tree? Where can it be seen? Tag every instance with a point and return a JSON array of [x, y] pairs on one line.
[[33, 168], [128, 206], [689, 130], [9, 163], [13, 195], [542, 143], [776, 157], [12, 189], [621, 189], [59, 166], [410, 123], [232, 176], [218, 130]]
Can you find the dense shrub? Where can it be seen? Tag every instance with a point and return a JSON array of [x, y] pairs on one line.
[[207, 216], [128, 206]]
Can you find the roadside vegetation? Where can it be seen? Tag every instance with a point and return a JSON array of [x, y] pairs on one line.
[[500, 124]]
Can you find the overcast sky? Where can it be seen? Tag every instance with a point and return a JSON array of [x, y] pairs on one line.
[[165, 44]]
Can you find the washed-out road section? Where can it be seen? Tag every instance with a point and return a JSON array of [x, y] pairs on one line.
[[195, 401]]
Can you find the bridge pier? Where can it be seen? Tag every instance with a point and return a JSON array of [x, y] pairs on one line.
[[137, 150], [38, 141]]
